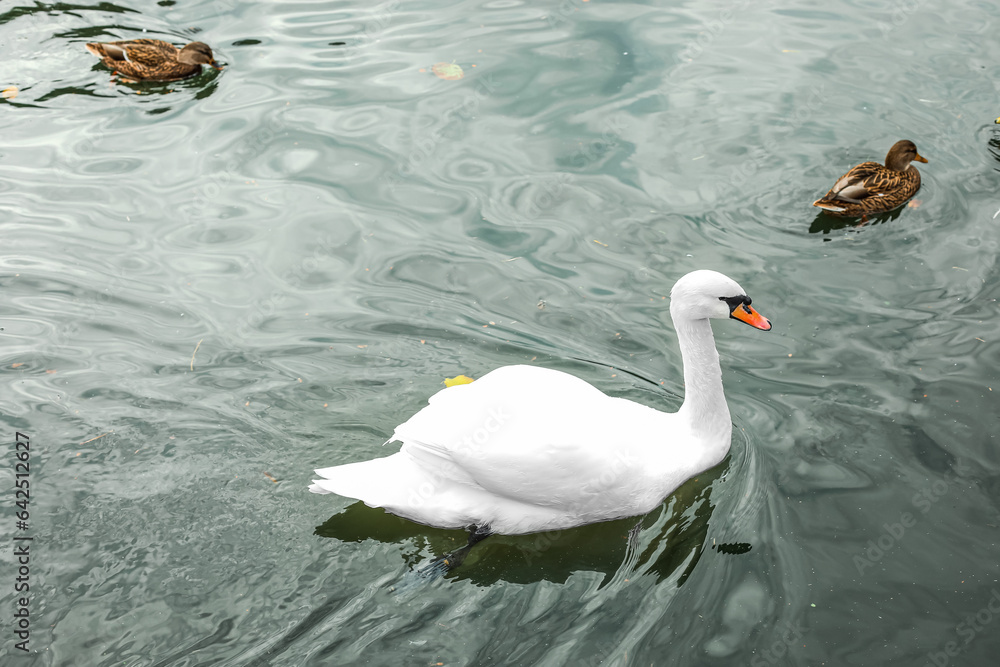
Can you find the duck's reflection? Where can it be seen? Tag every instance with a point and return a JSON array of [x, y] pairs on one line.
[[824, 223], [994, 147]]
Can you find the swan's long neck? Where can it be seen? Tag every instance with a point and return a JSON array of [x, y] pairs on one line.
[[704, 408]]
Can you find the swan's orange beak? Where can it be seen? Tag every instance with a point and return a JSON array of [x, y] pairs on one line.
[[745, 313]]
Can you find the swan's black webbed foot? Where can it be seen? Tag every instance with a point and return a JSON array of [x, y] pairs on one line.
[[633, 536], [442, 565]]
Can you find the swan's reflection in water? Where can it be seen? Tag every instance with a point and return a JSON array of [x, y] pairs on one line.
[[671, 539]]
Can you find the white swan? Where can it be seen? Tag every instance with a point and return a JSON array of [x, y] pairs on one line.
[[526, 449]]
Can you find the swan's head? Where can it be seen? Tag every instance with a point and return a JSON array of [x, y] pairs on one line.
[[709, 294]]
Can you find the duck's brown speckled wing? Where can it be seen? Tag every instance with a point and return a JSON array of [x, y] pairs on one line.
[[862, 181], [148, 53]]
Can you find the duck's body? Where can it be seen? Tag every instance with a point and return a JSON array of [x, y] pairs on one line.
[[153, 59], [871, 188], [526, 449]]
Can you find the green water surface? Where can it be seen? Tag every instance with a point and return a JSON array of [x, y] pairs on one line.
[[210, 287]]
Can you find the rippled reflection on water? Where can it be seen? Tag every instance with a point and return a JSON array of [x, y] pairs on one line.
[[265, 269]]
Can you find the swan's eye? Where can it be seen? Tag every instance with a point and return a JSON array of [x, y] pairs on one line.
[[735, 302]]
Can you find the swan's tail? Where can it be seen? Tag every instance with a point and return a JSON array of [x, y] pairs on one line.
[[401, 485], [374, 481]]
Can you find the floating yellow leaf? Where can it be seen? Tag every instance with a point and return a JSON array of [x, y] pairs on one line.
[[9, 92], [448, 71], [458, 379]]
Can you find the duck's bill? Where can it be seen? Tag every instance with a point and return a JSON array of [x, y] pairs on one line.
[[748, 315], [215, 65], [920, 158]]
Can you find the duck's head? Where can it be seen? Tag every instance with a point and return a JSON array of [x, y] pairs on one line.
[[901, 155], [709, 294], [197, 53]]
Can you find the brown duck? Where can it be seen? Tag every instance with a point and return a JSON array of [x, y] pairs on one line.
[[872, 188], [153, 59]]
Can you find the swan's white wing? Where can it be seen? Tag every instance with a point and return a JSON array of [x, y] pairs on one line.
[[536, 436]]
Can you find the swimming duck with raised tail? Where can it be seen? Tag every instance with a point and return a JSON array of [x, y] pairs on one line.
[[526, 449], [154, 59], [871, 188]]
